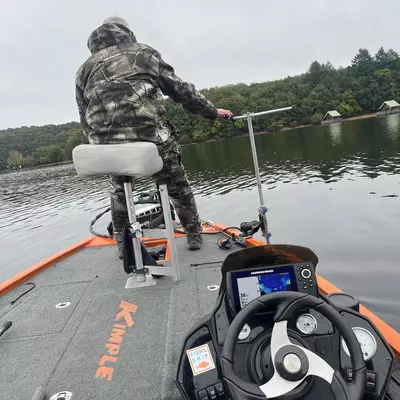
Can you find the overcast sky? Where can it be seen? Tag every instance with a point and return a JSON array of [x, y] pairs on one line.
[[209, 42]]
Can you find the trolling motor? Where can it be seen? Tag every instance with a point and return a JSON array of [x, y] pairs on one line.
[[247, 229], [263, 209]]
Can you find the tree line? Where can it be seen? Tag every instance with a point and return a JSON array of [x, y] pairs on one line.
[[359, 88], [39, 145]]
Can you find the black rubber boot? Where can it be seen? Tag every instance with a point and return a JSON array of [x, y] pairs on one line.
[[194, 241]]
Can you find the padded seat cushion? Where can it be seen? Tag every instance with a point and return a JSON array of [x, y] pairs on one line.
[[139, 159]]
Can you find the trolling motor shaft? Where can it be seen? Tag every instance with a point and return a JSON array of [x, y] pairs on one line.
[[263, 209]]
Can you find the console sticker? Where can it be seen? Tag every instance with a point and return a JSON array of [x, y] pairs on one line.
[[200, 359]]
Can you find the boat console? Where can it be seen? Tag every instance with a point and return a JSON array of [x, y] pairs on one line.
[[273, 335]]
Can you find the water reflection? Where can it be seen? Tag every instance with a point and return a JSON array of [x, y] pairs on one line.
[[352, 150], [393, 124], [335, 130], [328, 153]]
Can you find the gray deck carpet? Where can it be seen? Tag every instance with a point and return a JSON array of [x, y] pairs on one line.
[[62, 348]]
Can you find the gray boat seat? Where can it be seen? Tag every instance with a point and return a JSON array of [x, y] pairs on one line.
[[138, 159]]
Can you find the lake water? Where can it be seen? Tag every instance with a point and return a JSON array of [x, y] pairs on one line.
[[334, 189]]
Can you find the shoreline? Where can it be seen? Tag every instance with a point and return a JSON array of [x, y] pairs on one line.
[[286, 128], [6, 170], [49, 165], [363, 116]]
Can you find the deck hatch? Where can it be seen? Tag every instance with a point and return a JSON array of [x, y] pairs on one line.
[[37, 315]]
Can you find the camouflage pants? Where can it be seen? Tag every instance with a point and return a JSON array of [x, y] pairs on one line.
[[174, 176]]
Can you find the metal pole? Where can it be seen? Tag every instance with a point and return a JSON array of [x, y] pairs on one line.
[[169, 227], [137, 248], [275, 111], [249, 118], [257, 172]]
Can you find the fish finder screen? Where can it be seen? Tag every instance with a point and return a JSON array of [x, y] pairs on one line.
[[250, 284]]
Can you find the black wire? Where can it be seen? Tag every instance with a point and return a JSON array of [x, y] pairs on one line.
[[219, 231], [92, 231], [225, 244], [23, 294], [231, 227], [181, 230], [205, 263]]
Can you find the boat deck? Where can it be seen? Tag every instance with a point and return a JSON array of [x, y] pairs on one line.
[[68, 349], [62, 349]]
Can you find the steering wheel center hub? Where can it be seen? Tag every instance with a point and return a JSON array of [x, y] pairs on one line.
[[292, 363]]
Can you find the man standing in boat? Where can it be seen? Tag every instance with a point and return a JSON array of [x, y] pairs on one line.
[[119, 95]]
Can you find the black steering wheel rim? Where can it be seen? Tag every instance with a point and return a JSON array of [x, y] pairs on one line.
[[287, 305]]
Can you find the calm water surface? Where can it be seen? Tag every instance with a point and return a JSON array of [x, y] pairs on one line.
[[334, 189]]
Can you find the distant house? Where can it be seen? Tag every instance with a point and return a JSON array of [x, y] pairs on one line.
[[389, 107], [331, 117]]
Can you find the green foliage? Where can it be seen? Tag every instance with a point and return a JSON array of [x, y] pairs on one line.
[[357, 89], [27, 139], [184, 139], [29, 161], [316, 118], [349, 105], [15, 159], [363, 61], [48, 154], [198, 136], [76, 138]]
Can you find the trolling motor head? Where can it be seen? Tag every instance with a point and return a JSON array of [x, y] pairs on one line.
[[250, 228]]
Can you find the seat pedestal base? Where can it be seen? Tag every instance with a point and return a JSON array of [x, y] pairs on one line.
[[133, 283]]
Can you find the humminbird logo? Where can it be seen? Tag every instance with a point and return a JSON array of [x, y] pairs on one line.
[[262, 272]]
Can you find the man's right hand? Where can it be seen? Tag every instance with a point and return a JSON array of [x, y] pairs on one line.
[[224, 113]]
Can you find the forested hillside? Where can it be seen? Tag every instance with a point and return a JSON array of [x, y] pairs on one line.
[[35, 145], [357, 89]]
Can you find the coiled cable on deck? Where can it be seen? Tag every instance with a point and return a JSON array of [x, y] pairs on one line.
[[91, 229]]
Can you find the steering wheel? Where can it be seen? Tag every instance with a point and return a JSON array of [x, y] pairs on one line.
[[292, 363]]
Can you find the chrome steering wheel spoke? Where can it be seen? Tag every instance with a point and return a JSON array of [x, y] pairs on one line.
[[279, 385]]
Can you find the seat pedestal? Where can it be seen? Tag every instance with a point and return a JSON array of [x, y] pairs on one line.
[[144, 272]]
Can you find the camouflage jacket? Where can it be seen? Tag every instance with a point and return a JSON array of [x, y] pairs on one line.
[[119, 90]]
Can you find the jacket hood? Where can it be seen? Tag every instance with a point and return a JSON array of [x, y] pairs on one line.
[[108, 35]]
